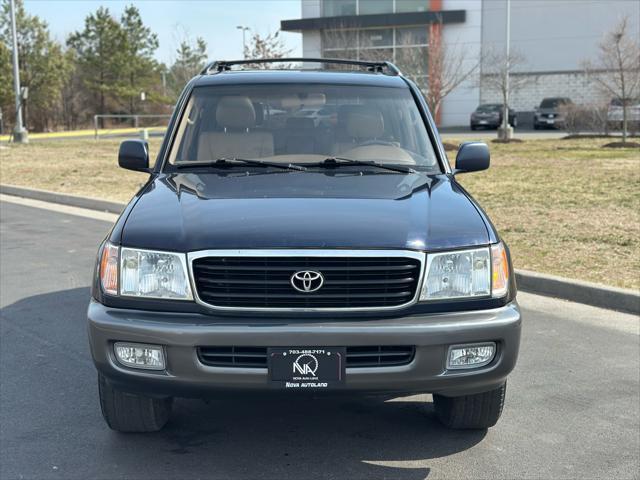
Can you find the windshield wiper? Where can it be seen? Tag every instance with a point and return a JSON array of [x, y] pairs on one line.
[[333, 162], [226, 162]]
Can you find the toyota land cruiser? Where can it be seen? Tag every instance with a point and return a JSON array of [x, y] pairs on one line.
[[268, 251]]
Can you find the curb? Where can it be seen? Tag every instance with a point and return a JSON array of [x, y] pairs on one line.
[[63, 198], [594, 294]]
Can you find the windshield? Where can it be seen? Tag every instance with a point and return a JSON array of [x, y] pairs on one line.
[[617, 102], [489, 108], [303, 124], [554, 102]]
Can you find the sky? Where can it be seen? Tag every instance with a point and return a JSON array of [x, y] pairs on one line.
[[173, 21]]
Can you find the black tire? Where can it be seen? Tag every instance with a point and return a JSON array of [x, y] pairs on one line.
[[473, 127], [125, 412], [536, 126], [478, 411]]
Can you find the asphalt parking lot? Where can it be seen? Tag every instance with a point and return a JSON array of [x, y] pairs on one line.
[[572, 410]]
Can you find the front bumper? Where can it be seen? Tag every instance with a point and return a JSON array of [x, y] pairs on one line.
[[486, 122], [185, 376]]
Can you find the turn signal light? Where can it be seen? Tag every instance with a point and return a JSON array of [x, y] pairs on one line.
[[499, 270], [109, 269]]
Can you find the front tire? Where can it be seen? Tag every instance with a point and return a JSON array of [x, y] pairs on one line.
[[477, 411], [126, 412]]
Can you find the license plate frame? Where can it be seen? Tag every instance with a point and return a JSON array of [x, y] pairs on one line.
[[306, 368]]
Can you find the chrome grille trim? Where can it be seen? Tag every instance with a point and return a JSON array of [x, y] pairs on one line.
[[420, 256]]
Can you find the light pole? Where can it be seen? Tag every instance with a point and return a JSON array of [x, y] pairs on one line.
[[19, 132], [244, 39], [507, 130]]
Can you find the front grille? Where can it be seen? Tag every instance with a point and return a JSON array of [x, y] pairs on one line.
[[265, 282], [256, 357]]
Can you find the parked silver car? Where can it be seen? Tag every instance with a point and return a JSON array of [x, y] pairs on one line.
[[615, 113]]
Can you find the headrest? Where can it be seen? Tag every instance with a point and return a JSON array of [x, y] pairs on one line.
[[259, 109], [361, 121], [235, 112], [300, 123], [297, 101]]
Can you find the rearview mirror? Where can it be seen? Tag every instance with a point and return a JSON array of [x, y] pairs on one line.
[[472, 157], [134, 155]]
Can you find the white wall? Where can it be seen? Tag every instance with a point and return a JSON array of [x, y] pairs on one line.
[[311, 8], [311, 40], [555, 35], [312, 44], [463, 37], [575, 86]]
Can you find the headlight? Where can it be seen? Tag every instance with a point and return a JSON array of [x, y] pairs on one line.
[[147, 273], [479, 272], [144, 273]]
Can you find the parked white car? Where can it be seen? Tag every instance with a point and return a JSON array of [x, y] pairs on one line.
[[615, 113]]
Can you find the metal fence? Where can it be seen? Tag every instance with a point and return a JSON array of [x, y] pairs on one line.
[[137, 125]]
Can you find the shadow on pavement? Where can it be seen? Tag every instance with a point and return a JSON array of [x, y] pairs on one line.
[[53, 412]]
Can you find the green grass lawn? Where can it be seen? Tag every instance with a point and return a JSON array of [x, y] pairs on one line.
[[566, 207]]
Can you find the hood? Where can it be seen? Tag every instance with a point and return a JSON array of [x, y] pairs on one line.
[[545, 111], [197, 211]]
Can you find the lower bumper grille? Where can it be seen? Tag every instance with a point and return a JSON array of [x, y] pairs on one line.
[[357, 357]]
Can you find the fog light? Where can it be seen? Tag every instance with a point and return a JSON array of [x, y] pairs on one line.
[[139, 355], [470, 356]]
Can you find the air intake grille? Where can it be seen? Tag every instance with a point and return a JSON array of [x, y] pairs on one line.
[[380, 356], [357, 357], [265, 282]]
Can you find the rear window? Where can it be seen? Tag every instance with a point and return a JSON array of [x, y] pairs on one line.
[[303, 123]]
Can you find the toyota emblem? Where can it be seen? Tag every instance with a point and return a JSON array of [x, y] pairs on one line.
[[307, 281]]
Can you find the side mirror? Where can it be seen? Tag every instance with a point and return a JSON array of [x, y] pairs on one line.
[[472, 157], [134, 155]]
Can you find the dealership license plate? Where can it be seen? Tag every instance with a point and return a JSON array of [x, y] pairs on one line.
[[550, 122], [482, 122], [306, 367]]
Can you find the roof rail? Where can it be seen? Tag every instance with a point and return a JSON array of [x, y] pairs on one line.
[[372, 66]]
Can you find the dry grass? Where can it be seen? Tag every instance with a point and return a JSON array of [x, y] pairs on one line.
[[81, 167], [567, 207]]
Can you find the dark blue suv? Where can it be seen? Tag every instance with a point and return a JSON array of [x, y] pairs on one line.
[[301, 231]]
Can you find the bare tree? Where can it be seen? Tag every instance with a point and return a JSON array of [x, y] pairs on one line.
[[444, 66], [269, 46], [498, 74], [617, 68], [448, 66]]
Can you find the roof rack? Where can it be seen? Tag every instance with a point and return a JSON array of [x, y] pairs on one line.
[[378, 67]]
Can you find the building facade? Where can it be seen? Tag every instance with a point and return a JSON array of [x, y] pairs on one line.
[[552, 38]]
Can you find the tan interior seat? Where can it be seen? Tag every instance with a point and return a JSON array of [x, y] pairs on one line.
[[359, 124], [235, 135]]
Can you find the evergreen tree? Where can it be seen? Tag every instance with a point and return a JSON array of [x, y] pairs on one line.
[[101, 54], [43, 67], [140, 68], [190, 60]]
